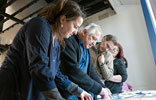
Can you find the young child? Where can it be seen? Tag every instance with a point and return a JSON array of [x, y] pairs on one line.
[[127, 87]]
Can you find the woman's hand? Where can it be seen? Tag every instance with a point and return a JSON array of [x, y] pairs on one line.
[[85, 95]]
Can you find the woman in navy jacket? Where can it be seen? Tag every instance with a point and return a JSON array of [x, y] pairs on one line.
[[30, 70]]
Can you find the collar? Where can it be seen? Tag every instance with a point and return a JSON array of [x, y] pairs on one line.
[[80, 40]]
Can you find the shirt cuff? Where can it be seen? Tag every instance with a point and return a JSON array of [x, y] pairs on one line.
[[74, 89], [101, 63]]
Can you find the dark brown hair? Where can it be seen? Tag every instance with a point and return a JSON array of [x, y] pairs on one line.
[[120, 53], [68, 8], [110, 38], [125, 61]]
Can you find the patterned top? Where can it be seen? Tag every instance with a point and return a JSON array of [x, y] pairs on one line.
[[105, 71]]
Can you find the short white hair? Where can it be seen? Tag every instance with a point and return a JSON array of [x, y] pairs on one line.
[[92, 28]]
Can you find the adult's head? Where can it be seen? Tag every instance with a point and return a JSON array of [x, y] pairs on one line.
[[65, 17], [107, 43], [90, 35], [117, 51]]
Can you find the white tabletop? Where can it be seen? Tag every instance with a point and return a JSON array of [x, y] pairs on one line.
[[135, 95]]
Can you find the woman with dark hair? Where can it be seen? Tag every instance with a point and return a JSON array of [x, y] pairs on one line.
[[30, 70], [120, 55], [120, 72], [126, 86]]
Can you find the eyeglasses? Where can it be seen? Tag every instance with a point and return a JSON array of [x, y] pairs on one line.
[[115, 50]]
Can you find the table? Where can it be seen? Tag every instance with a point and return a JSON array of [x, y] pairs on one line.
[[135, 95]]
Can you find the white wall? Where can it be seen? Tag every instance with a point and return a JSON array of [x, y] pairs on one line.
[[128, 25]]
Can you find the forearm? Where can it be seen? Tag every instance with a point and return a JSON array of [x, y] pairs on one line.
[[74, 89], [107, 72], [87, 83], [116, 78], [52, 94], [106, 67]]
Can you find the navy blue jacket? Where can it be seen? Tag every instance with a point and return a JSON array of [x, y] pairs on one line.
[[33, 62], [70, 58], [119, 69]]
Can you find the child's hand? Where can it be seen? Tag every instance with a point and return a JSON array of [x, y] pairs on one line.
[[132, 89], [101, 58]]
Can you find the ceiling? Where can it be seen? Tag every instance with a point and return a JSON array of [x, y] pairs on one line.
[[89, 6]]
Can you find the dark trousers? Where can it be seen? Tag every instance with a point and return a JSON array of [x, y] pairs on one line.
[[9, 89], [7, 86]]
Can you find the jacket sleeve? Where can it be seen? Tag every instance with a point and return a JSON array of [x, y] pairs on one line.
[[64, 83], [107, 67], [37, 44], [70, 66], [122, 70]]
